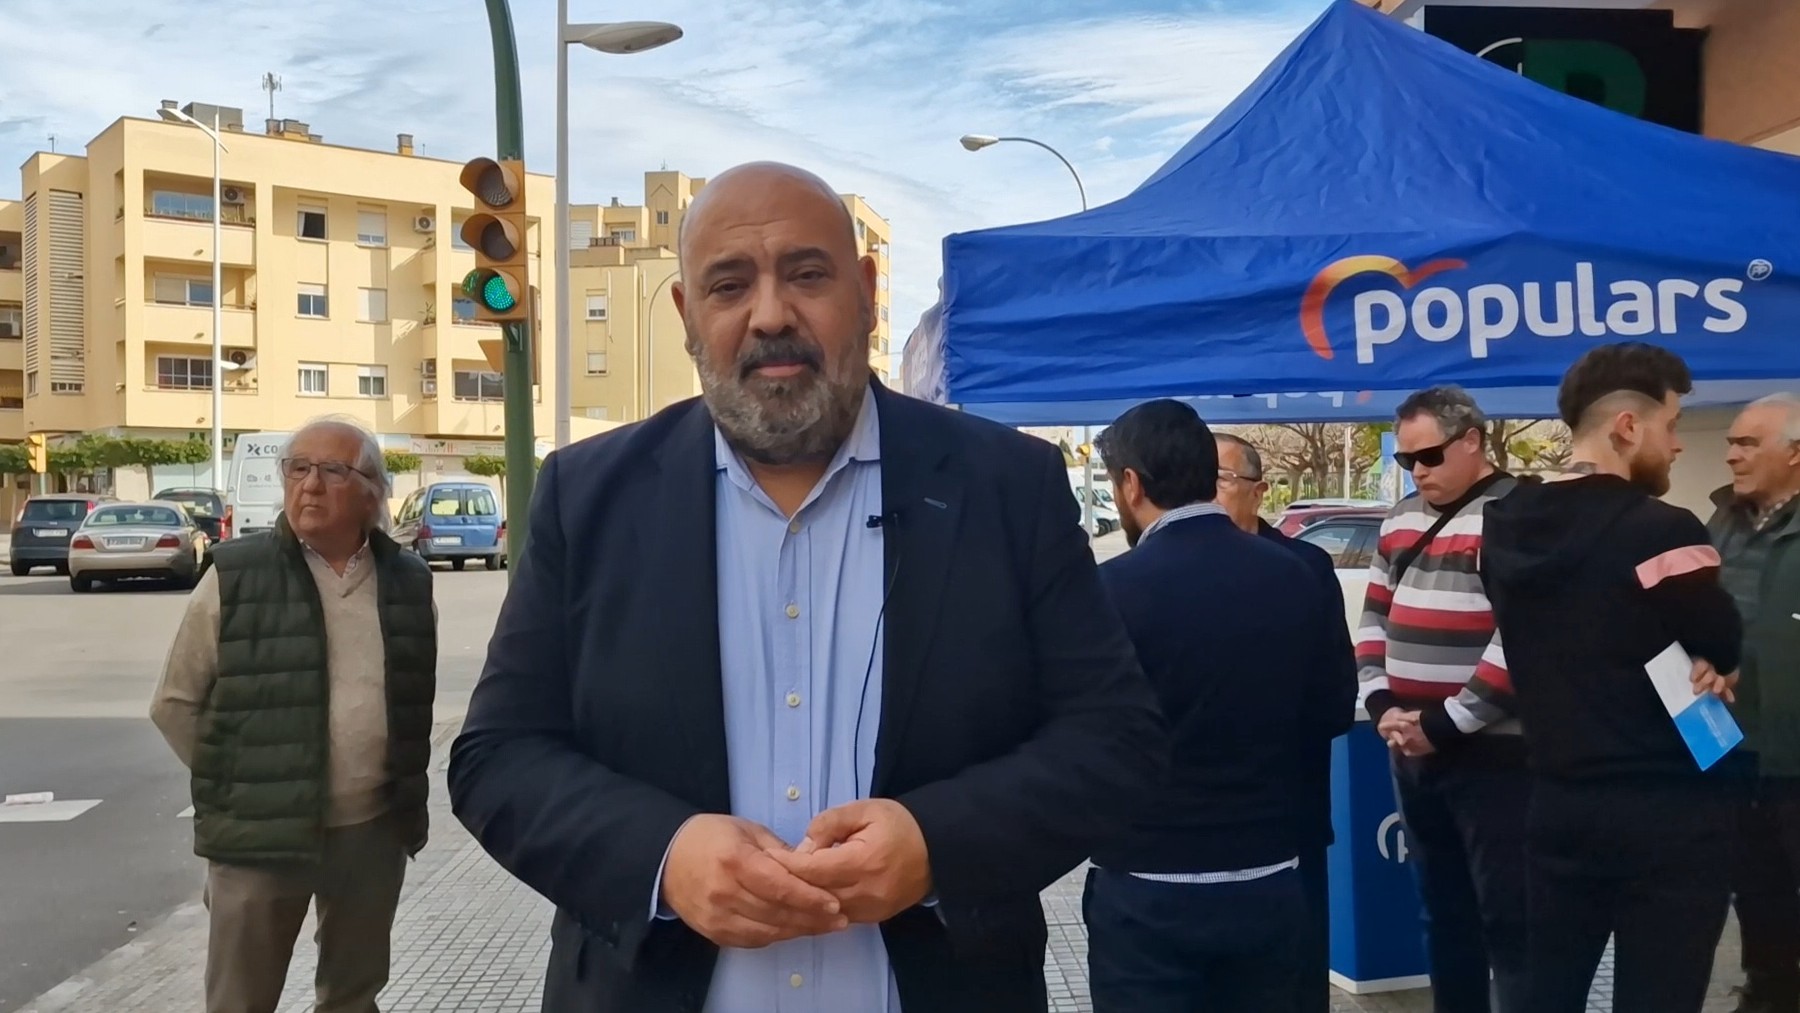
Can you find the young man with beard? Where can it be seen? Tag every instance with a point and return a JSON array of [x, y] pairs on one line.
[[1592, 577], [804, 690]]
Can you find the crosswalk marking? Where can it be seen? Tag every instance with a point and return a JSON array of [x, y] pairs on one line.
[[47, 812]]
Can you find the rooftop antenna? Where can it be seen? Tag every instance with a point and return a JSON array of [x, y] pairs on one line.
[[53, 144], [271, 83]]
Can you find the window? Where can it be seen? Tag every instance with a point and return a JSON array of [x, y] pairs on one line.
[[1343, 542], [624, 235], [371, 381], [169, 204], [181, 372], [884, 312], [862, 229], [580, 235], [462, 310], [64, 387], [371, 305], [662, 218], [371, 228], [596, 413], [312, 379], [477, 385], [312, 301], [31, 384], [182, 291], [312, 223], [456, 239], [881, 281], [596, 307], [12, 321], [596, 363]]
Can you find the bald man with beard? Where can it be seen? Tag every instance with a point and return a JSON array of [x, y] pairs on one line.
[[803, 690]]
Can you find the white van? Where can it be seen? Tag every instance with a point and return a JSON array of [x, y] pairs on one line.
[[253, 495]]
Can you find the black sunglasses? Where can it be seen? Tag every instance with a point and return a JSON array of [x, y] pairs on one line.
[[1430, 457]]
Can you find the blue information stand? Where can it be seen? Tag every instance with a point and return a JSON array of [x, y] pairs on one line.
[[1377, 932]]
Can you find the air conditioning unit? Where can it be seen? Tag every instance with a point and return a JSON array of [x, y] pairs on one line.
[[424, 224], [429, 368], [240, 358], [231, 195], [428, 387]]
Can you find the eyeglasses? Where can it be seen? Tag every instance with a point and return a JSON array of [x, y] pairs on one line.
[[296, 469], [1430, 457], [1227, 475]]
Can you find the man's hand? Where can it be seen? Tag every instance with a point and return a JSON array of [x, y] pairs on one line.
[[870, 854], [1707, 679], [1403, 732], [721, 880]]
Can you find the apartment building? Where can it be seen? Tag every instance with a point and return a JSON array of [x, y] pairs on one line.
[[340, 293], [628, 341]]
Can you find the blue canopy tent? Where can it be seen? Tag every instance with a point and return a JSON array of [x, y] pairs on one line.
[[1378, 212]]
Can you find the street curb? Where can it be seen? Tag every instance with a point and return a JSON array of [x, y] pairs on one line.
[[188, 917]]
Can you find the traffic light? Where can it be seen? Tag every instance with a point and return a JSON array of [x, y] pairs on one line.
[[496, 232], [39, 447]]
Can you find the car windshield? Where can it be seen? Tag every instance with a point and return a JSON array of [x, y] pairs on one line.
[[148, 516], [42, 510], [199, 502]]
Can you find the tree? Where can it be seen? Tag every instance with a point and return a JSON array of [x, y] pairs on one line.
[[487, 466], [398, 462], [14, 459]]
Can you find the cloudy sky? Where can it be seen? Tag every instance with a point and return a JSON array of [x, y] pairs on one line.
[[872, 94]]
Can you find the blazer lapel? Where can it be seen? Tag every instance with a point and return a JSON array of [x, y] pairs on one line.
[[926, 498], [684, 530]]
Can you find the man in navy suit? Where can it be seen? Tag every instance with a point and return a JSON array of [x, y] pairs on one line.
[[801, 692], [1200, 908], [1242, 488]]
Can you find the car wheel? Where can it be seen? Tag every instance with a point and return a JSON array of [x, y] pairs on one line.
[[81, 585], [457, 564], [493, 562], [20, 569]]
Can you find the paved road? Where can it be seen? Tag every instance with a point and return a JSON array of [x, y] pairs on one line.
[[75, 682]]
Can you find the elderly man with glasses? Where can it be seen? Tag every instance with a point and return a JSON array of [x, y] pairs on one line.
[[1439, 694], [299, 692]]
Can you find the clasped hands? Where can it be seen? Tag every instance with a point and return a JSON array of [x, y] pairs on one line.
[[1403, 733], [739, 885]]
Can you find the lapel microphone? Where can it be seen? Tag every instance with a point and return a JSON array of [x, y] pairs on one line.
[[891, 519]]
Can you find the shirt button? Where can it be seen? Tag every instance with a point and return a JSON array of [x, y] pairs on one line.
[[793, 793], [793, 527], [795, 980], [793, 699], [793, 611]]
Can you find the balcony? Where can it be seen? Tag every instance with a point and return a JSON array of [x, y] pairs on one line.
[[155, 407], [184, 324], [186, 240], [12, 355]]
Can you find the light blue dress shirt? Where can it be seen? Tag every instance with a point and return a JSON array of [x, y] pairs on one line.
[[800, 608]]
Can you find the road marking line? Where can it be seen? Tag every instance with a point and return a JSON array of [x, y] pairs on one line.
[[185, 814], [47, 812]]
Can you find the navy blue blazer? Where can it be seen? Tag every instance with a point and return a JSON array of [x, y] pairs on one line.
[[1016, 725]]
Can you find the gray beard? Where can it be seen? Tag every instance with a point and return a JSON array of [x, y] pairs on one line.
[[787, 421]]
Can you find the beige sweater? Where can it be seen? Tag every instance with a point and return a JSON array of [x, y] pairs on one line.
[[356, 663]]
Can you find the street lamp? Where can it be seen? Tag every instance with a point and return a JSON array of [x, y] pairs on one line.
[[650, 346], [619, 38], [976, 142], [174, 115]]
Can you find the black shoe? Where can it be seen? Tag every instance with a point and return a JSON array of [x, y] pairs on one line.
[[1750, 1002]]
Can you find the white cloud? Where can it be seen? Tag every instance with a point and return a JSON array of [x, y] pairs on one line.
[[872, 94]]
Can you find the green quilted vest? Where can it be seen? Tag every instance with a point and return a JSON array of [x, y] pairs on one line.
[[260, 774]]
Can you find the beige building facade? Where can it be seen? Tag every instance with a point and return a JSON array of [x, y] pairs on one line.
[[339, 294]]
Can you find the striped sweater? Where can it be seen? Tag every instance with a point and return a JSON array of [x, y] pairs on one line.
[[1427, 643]]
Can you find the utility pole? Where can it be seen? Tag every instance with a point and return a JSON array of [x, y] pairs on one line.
[[271, 83], [521, 460]]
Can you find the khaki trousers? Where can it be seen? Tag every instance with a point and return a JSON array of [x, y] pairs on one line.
[[256, 913]]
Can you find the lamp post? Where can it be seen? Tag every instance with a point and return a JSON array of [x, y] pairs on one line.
[[976, 142], [650, 346], [619, 38], [174, 115]]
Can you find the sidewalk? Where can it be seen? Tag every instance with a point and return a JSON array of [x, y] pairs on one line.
[[470, 938]]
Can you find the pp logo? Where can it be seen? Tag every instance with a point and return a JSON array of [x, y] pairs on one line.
[[1392, 824], [1760, 270]]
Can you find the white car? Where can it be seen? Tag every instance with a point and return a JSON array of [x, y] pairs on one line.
[[1350, 541]]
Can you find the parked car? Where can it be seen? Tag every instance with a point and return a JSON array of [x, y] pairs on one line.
[[453, 521], [41, 532], [207, 507], [1302, 514], [1351, 541], [122, 541]]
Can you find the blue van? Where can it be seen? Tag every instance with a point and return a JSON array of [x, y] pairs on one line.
[[453, 522]]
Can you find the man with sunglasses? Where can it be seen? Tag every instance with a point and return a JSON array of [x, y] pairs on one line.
[[298, 692], [1431, 685]]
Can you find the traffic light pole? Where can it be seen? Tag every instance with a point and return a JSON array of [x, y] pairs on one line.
[[521, 462]]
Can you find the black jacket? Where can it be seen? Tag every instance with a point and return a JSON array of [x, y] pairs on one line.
[[1590, 579], [1015, 723], [1239, 640]]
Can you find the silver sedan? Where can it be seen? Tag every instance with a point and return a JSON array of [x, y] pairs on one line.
[[120, 541]]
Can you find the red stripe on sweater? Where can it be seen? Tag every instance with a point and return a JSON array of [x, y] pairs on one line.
[[1441, 619], [1413, 690], [1495, 676], [1395, 542]]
